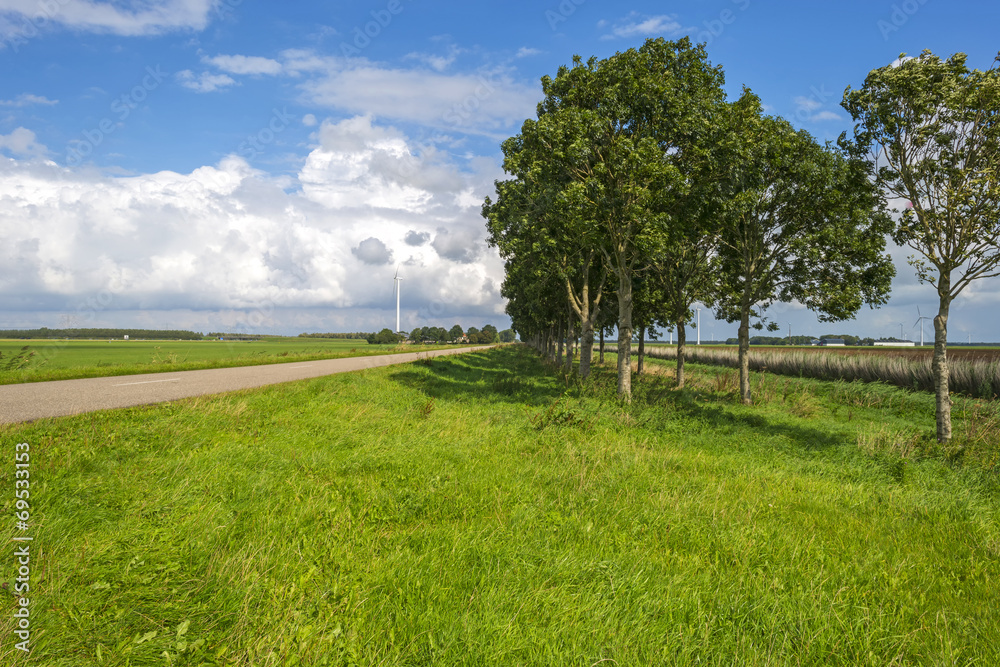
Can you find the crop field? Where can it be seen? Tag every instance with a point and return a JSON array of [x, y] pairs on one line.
[[40, 360], [974, 372], [486, 509]]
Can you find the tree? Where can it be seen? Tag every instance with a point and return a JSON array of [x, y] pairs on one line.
[[455, 333], [936, 126], [804, 222], [615, 128], [384, 337], [508, 336], [489, 334]]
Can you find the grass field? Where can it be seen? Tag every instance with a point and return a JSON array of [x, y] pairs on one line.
[[41, 360], [483, 510]]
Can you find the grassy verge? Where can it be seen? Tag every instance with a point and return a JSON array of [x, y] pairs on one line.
[[40, 361], [482, 510]]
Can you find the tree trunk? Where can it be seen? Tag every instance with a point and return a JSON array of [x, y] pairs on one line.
[[681, 340], [601, 360], [560, 332], [625, 335], [586, 348], [744, 337], [642, 349], [570, 340], [940, 364]]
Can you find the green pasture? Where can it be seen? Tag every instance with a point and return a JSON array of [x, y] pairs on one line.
[[40, 360], [485, 509]]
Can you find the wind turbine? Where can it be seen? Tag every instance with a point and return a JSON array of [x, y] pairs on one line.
[[395, 288], [920, 321]]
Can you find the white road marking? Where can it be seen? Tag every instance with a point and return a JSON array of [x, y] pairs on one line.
[[129, 384]]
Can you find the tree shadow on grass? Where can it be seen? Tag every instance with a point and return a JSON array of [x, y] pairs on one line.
[[509, 374], [720, 412]]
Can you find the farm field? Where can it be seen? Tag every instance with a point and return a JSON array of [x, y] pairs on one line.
[[974, 373], [69, 359], [981, 353], [485, 509]]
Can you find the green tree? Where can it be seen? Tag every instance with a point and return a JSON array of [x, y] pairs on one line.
[[489, 334], [935, 126], [616, 128], [804, 222], [455, 333], [508, 336]]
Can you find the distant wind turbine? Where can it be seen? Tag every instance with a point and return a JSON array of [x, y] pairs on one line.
[[920, 321], [395, 288]]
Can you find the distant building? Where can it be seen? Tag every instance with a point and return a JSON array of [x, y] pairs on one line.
[[894, 342], [815, 341], [832, 342]]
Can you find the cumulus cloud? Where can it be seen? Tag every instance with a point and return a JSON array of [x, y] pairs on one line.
[[807, 109], [466, 102], [641, 25], [206, 82], [415, 238], [236, 64], [436, 61], [27, 99], [22, 142], [372, 251], [458, 245], [136, 18], [228, 247]]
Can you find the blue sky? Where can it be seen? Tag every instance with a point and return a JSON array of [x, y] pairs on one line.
[[240, 164]]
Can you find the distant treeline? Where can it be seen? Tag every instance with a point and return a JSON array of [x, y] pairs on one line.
[[350, 336], [100, 333], [237, 336]]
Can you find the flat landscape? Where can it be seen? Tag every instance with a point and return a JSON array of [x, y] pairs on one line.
[[488, 509], [43, 360]]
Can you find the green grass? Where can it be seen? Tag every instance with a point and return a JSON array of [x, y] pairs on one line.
[[482, 510], [42, 360]]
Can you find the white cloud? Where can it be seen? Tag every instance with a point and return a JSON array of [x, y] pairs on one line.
[[309, 120], [807, 103], [206, 82], [22, 142], [236, 64], [525, 52], [458, 102], [807, 109], [435, 61], [227, 247], [141, 18], [27, 99], [640, 25]]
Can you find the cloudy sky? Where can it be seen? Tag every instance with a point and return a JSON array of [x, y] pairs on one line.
[[254, 165]]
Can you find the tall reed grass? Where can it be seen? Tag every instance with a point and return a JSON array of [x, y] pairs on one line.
[[976, 378]]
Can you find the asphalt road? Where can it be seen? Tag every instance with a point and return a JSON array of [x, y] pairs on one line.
[[38, 400]]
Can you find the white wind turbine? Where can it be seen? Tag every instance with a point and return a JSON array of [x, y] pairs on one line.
[[395, 288], [920, 321]]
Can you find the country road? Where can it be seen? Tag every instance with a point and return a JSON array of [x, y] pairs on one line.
[[38, 400]]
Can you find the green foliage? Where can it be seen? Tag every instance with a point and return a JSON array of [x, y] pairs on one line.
[[385, 337], [933, 127]]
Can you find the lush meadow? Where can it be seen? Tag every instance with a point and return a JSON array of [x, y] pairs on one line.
[[41, 360], [484, 509]]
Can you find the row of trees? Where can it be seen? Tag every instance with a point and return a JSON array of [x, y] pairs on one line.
[[338, 336], [136, 334], [640, 190], [487, 335]]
